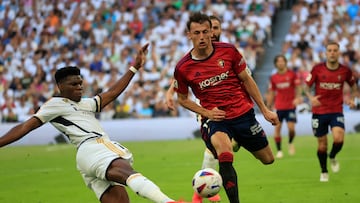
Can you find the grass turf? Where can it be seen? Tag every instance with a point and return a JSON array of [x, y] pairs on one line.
[[42, 174]]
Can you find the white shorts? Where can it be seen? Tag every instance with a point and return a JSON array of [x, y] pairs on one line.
[[93, 159]]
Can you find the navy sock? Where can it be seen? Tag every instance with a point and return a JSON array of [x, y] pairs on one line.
[[322, 156], [336, 147], [229, 176]]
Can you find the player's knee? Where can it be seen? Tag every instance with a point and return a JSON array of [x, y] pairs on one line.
[[268, 161]]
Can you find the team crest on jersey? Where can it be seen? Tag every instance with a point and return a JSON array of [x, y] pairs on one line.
[[339, 77], [221, 63]]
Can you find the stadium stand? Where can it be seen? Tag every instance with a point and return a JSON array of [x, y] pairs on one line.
[[101, 37]]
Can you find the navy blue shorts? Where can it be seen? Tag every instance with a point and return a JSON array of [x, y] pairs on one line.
[[245, 129], [321, 122], [287, 115]]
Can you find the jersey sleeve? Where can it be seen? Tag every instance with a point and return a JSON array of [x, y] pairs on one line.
[[50, 110], [310, 79], [239, 62], [350, 78], [179, 82]]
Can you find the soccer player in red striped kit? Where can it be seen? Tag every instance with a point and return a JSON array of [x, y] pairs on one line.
[[219, 77], [327, 102]]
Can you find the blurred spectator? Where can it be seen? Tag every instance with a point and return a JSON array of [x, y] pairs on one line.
[[101, 37]]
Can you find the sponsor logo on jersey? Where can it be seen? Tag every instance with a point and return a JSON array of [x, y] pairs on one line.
[[330, 85], [214, 80], [283, 85]]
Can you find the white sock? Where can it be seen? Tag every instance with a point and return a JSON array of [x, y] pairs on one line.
[[146, 188], [209, 161]]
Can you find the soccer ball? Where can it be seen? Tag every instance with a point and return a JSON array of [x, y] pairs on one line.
[[207, 182]]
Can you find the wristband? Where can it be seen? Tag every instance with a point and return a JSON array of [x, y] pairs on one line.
[[133, 69]]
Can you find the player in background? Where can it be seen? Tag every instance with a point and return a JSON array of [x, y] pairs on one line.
[[209, 160], [218, 76], [105, 165], [284, 94], [328, 79]]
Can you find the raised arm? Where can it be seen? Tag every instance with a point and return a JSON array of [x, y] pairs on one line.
[[115, 90]]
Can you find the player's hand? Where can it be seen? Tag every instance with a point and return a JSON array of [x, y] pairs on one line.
[[315, 100], [271, 117], [350, 103], [141, 57], [216, 114], [297, 101]]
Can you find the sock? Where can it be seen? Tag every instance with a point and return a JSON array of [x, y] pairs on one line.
[[322, 156], [278, 143], [146, 188], [209, 161], [229, 176], [336, 147], [291, 136]]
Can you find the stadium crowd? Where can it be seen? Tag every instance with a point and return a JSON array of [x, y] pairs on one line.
[[101, 37], [313, 24]]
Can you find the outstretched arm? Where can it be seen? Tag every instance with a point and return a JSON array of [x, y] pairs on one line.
[[115, 90], [255, 94], [20, 131]]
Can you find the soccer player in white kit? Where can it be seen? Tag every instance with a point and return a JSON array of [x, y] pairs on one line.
[[105, 165]]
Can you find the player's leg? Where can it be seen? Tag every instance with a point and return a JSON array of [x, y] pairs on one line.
[[338, 141], [322, 157], [115, 194], [209, 161], [320, 124], [223, 147], [291, 129], [291, 121], [104, 163], [338, 131], [120, 171], [277, 139], [265, 155]]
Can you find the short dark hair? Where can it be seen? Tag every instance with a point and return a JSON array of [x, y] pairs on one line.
[[213, 17], [279, 56], [66, 71], [198, 17]]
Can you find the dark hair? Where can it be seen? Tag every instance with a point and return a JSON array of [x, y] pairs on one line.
[[198, 17], [213, 17], [66, 71], [279, 56]]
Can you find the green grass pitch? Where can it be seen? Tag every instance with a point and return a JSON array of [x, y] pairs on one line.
[[47, 174]]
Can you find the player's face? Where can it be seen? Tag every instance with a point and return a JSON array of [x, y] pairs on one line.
[[216, 30], [332, 53], [200, 35], [281, 64], [72, 87]]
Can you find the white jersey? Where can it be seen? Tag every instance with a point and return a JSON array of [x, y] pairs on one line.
[[76, 120]]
